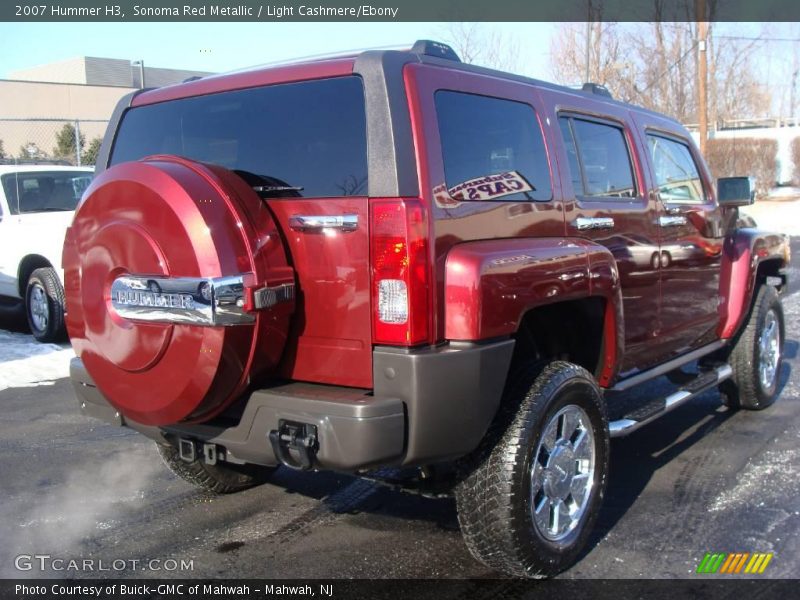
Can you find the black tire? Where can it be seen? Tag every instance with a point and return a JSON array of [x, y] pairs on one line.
[[220, 478], [494, 499], [745, 389], [44, 305]]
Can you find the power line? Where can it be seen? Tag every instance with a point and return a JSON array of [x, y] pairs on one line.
[[754, 39]]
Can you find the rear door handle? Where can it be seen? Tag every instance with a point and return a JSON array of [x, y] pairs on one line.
[[586, 223], [343, 223], [671, 220]]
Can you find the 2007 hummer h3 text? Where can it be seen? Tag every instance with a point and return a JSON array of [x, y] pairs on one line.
[[394, 259]]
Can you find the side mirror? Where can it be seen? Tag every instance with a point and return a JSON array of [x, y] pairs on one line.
[[736, 191]]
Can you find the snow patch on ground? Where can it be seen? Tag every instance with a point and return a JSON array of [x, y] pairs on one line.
[[27, 363], [772, 475]]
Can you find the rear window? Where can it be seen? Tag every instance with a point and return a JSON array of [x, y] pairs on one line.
[[44, 191], [309, 136], [492, 148]]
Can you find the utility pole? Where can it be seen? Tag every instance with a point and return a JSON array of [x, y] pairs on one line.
[[702, 72], [588, 45]]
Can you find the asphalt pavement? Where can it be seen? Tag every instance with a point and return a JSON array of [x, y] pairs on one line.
[[702, 479]]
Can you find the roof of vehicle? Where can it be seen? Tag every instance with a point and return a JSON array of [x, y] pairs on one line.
[[28, 168], [423, 51]]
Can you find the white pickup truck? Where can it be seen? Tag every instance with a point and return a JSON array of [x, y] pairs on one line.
[[37, 202]]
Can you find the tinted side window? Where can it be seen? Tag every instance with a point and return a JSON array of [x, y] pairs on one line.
[[492, 148], [676, 173], [309, 135], [604, 160]]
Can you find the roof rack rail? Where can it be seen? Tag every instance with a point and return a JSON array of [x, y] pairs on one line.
[[437, 49], [311, 57], [597, 89]]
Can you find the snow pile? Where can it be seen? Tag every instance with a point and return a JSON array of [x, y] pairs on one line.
[[24, 362]]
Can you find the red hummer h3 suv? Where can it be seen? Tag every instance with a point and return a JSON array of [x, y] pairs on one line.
[[395, 259]]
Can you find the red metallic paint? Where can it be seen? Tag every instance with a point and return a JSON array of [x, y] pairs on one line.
[[742, 253], [166, 216], [490, 285], [331, 342], [634, 238], [331, 336], [472, 296], [690, 253], [456, 222]]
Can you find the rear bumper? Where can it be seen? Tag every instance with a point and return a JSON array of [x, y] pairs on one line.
[[427, 405]]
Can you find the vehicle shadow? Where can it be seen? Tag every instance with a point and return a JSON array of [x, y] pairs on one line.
[[12, 318], [636, 458]]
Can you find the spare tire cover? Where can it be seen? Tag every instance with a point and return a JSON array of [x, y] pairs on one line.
[[166, 217]]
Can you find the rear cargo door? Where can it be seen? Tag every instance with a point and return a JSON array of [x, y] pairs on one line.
[[302, 146]]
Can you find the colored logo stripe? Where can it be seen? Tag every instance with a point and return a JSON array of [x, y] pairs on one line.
[[733, 563], [710, 563]]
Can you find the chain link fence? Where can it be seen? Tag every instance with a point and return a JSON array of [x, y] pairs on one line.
[[72, 141]]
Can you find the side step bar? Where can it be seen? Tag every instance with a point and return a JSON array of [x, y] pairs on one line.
[[663, 369], [651, 411]]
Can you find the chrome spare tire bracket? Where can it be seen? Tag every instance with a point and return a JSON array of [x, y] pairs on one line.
[[202, 301]]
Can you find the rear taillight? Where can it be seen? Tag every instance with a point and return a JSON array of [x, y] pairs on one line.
[[400, 272]]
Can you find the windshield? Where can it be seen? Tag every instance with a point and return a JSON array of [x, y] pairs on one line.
[[44, 191]]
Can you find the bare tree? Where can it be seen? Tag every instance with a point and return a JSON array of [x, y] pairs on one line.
[[654, 65], [479, 44], [607, 60]]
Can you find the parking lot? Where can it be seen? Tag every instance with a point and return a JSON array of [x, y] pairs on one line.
[[702, 479]]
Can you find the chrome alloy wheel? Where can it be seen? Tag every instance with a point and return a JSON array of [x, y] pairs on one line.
[[769, 351], [562, 473], [39, 307]]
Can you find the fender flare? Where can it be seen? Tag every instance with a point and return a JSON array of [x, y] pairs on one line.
[[742, 254], [490, 285]]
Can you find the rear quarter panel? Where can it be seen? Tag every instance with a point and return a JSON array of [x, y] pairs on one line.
[[456, 222], [490, 285]]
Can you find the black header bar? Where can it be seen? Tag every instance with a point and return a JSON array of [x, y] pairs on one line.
[[708, 587]]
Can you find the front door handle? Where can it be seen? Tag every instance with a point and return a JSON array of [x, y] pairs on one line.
[[671, 220], [586, 223]]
